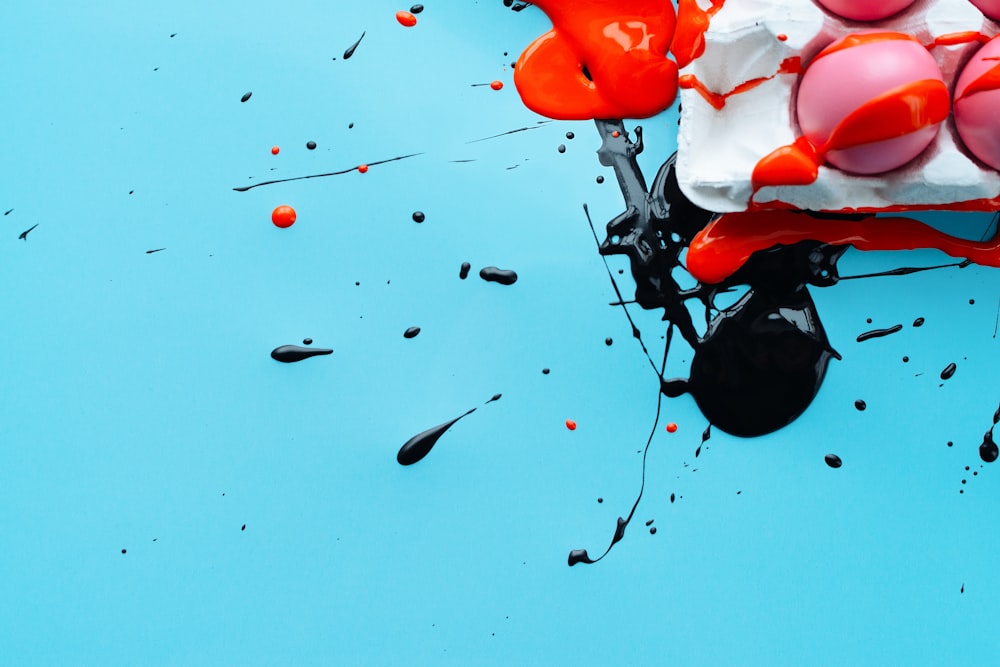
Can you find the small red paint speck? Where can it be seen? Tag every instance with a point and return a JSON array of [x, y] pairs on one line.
[[782, 37], [570, 424], [406, 19], [671, 427], [284, 217], [275, 150], [363, 168], [616, 134], [496, 85]]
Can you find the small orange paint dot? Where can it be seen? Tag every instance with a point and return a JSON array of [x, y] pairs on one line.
[[616, 134], [671, 427], [363, 168], [570, 424], [782, 37], [275, 150], [283, 216], [406, 19], [496, 85]]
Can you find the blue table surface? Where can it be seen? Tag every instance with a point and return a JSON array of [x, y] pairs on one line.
[[170, 495]]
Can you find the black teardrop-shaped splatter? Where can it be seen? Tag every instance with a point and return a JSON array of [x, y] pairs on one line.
[[411, 332], [833, 460], [988, 451], [420, 445], [246, 96], [288, 354]]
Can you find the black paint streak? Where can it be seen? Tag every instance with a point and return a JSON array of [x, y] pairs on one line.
[[905, 271], [411, 332], [246, 96], [492, 274], [288, 354], [504, 134], [420, 445], [332, 173], [878, 333], [948, 371], [150, 252], [463, 271], [24, 235], [353, 47], [8, 211]]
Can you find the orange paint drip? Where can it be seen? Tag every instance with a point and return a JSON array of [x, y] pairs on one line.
[[692, 23], [858, 39], [953, 38], [570, 424], [406, 19], [990, 80], [363, 168], [602, 59], [895, 113], [720, 249], [795, 164], [718, 100], [902, 110]]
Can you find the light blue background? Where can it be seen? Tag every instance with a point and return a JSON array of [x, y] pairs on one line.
[[141, 410]]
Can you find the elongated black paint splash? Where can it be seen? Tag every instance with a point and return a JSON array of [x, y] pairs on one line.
[[353, 47], [879, 333], [420, 445], [494, 275], [288, 354], [331, 173]]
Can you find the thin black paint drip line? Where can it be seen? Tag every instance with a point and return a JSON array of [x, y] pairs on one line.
[[991, 226], [332, 173], [908, 270], [539, 126], [635, 330], [996, 322], [580, 556]]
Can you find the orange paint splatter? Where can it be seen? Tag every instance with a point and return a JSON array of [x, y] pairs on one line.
[[283, 216], [671, 427], [782, 37], [363, 168], [570, 424], [496, 85], [275, 150], [406, 19]]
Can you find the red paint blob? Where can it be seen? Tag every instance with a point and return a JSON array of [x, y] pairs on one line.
[[406, 19], [275, 150], [782, 37], [363, 168], [283, 216], [570, 424], [496, 85], [671, 428]]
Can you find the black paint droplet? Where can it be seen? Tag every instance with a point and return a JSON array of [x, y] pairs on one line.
[[492, 274], [311, 145], [972, 301], [906, 360], [288, 354], [246, 96], [608, 341], [307, 341], [950, 443], [919, 322], [988, 451], [243, 527], [833, 460], [353, 47], [878, 333], [562, 148], [649, 523], [411, 332], [545, 371], [350, 126], [672, 497], [948, 371], [495, 397], [416, 9], [962, 589], [600, 179], [652, 531], [420, 445], [570, 135], [463, 271], [600, 500], [418, 216], [123, 550], [860, 405]]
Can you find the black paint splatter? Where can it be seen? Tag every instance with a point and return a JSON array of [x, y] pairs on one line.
[[291, 353]]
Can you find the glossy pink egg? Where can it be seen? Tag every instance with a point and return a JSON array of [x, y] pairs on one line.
[[871, 101], [991, 8], [868, 10], [977, 98]]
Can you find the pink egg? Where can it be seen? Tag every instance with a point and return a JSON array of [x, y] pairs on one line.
[[868, 10], [977, 98], [991, 8], [871, 101]]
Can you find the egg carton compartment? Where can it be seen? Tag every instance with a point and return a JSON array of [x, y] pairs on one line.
[[752, 50]]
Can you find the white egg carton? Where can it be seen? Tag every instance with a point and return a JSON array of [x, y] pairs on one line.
[[718, 149]]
